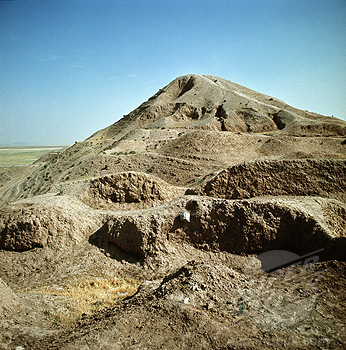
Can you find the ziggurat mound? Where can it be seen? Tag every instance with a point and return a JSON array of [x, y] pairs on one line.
[[255, 174]]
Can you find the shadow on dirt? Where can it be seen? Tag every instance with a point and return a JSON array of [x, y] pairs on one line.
[[99, 240]]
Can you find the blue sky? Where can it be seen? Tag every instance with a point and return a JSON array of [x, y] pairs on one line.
[[71, 67]]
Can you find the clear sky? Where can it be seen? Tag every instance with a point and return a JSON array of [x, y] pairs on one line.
[[71, 67]]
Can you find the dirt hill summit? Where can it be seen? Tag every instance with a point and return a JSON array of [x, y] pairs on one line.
[[190, 128], [155, 231], [212, 103]]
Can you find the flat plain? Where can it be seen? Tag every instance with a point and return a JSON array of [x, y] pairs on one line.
[[19, 156]]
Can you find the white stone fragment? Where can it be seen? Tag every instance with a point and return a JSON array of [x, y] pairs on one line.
[[185, 216]]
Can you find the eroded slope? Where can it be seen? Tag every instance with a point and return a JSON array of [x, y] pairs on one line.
[[254, 174]]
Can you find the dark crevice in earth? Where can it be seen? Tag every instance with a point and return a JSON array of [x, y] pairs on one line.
[[221, 115], [187, 87]]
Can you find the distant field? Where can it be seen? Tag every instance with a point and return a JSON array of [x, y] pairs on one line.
[[19, 156]]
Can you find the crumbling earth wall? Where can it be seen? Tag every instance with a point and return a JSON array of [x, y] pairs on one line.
[[304, 177], [242, 226]]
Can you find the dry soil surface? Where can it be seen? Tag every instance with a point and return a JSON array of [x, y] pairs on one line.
[[210, 217]]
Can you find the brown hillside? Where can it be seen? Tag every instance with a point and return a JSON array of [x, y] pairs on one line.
[[157, 231]]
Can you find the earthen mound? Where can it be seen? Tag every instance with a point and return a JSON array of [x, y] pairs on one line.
[[243, 226], [204, 306], [192, 127], [263, 178], [131, 188], [127, 190], [304, 177], [209, 102], [45, 221]]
